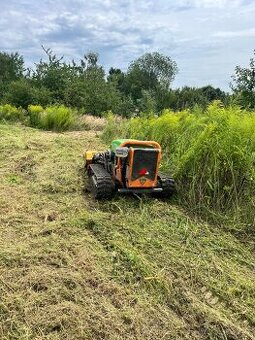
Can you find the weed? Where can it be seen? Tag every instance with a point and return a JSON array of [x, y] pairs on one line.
[[11, 113], [35, 112], [57, 118]]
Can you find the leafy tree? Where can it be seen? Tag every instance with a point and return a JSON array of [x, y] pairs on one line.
[[189, 97], [147, 103], [53, 74], [89, 90], [90, 61], [117, 77], [150, 72], [212, 93], [11, 69], [244, 84], [123, 104], [125, 107]]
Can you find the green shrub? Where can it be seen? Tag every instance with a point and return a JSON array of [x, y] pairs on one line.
[[57, 118], [35, 112], [11, 113], [22, 93]]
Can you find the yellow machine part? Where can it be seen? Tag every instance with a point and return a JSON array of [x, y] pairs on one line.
[[88, 156]]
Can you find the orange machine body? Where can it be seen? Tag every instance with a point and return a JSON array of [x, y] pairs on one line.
[[142, 181]]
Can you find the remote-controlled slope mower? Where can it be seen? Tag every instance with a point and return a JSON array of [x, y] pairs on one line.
[[130, 166]]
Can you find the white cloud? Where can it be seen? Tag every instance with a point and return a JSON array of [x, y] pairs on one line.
[[220, 4], [236, 34], [207, 38]]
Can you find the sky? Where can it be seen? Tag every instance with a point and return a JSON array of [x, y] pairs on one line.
[[207, 38]]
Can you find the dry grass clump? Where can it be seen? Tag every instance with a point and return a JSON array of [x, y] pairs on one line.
[[73, 268], [89, 122]]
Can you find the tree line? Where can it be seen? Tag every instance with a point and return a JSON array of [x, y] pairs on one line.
[[85, 85]]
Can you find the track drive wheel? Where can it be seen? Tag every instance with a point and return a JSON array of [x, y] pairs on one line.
[[100, 182], [167, 183]]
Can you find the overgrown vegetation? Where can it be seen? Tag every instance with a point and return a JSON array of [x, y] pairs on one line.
[[73, 268], [211, 155]]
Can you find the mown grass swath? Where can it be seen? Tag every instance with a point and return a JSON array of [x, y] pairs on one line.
[[210, 153]]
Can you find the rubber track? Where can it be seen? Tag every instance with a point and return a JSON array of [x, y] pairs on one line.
[[167, 184], [104, 186]]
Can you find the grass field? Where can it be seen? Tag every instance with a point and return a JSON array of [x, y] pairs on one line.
[[73, 268]]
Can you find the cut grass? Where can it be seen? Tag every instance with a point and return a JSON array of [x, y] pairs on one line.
[[73, 268]]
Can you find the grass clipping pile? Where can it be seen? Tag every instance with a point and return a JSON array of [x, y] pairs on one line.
[[73, 268]]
